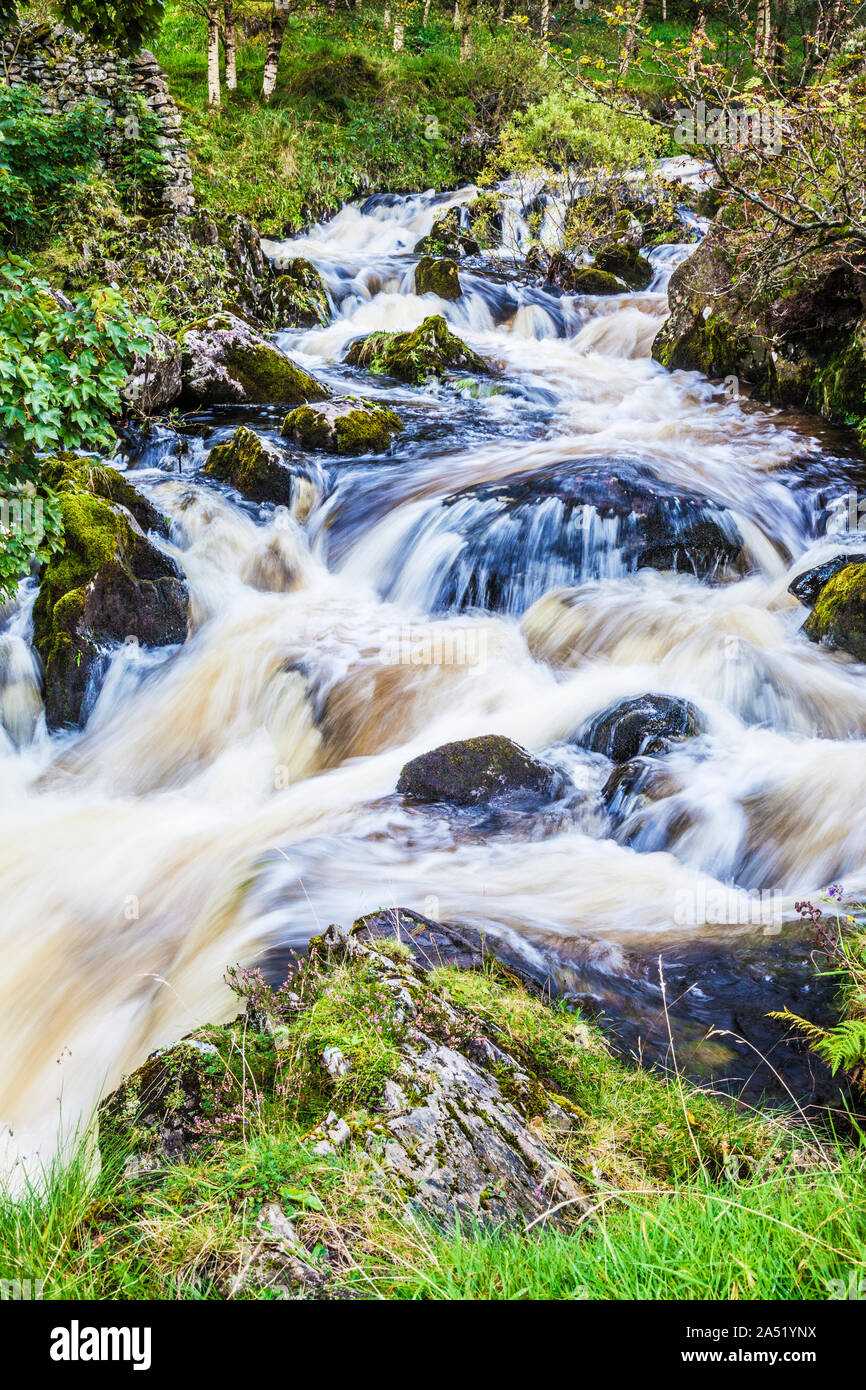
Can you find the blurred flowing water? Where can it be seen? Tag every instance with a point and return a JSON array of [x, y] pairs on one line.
[[587, 527]]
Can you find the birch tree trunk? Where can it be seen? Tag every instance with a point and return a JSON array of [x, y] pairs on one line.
[[465, 43], [426, 13], [230, 44], [213, 54], [456, 21], [276, 33], [632, 23], [398, 37], [544, 29]]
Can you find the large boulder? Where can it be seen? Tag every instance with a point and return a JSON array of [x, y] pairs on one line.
[[478, 771], [808, 585], [838, 619], [437, 275], [228, 362], [624, 260], [300, 297], [346, 426], [256, 468], [580, 279], [110, 582], [640, 726], [430, 350], [155, 380]]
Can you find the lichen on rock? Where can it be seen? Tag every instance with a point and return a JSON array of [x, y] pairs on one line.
[[343, 426], [431, 350], [227, 361]]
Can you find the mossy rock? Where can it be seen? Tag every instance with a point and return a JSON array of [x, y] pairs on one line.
[[447, 238], [626, 262], [839, 389], [592, 281], [478, 771], [109, 583], [838, 619], [437, 276], [431, 350], [343, 427], [808, 585], [226, 361], [300, 297], [258, 470]]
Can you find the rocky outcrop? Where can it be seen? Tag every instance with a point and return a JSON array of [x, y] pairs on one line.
[[256, 468], [447, 238], [346, 426], [838, 619], [109, 583], [577, 279], [300, 297], [804, 346], [643, 725], [67, 69], [480, 771], [431, 350], [457, 1125], [227, 362], [437, 276]]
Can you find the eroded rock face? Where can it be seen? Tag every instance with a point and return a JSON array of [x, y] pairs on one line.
[[109, 583], [644, 725], [437, 276], [479, 771], [344, 427], [256, 468], [431, 350], [838, 619], [227, 362], [300, 297]]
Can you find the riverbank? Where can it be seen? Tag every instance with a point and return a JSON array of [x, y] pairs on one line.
[[378, 1129]]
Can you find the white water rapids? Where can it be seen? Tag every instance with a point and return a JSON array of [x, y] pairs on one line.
[[235, 795]]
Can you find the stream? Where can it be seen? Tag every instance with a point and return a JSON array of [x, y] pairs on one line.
[[579, 528]]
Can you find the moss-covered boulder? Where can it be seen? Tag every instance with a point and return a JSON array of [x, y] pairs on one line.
[[227, 362], [256, 468], [300, 297], [624, 260], [343, 427], [643, 725], [437, 276], [580, 279], [447, 238], [431, 350], [480, 771], [838, 619], [808, 585], [110, 582]]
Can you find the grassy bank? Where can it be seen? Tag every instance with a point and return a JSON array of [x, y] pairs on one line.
[[685, 1196]]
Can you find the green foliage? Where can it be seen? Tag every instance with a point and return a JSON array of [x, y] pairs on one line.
[[571, 129], [43, 154], [123, 24], [63, 365]]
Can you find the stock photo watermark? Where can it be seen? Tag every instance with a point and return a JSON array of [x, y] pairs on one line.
[[733, 127], [429, 645], [716, 905]]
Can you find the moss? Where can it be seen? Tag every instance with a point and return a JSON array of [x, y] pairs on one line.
[[437, 277], [839, 390], [251, 467], [268, 377], [625, 261], [343, 428], [477, 770], [431, 350], [713, 345], [592, 281], [300, 298], [838, 619]]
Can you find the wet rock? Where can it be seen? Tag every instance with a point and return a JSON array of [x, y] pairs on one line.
[[431, 350], [155, 380], [256, 468], [347, 426], [447, 238], [437, 276], [226, 361], [109, 583], [300, 297], [643, 725], [576, 279], [807, 586], [478, 771], [625, 261], [838, 619]]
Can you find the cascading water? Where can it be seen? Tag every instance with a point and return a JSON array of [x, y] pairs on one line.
[[580, 527]]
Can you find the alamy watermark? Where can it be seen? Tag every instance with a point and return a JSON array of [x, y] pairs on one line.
[[431, 645], [731, 126], [21, 515], [715, 904]]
